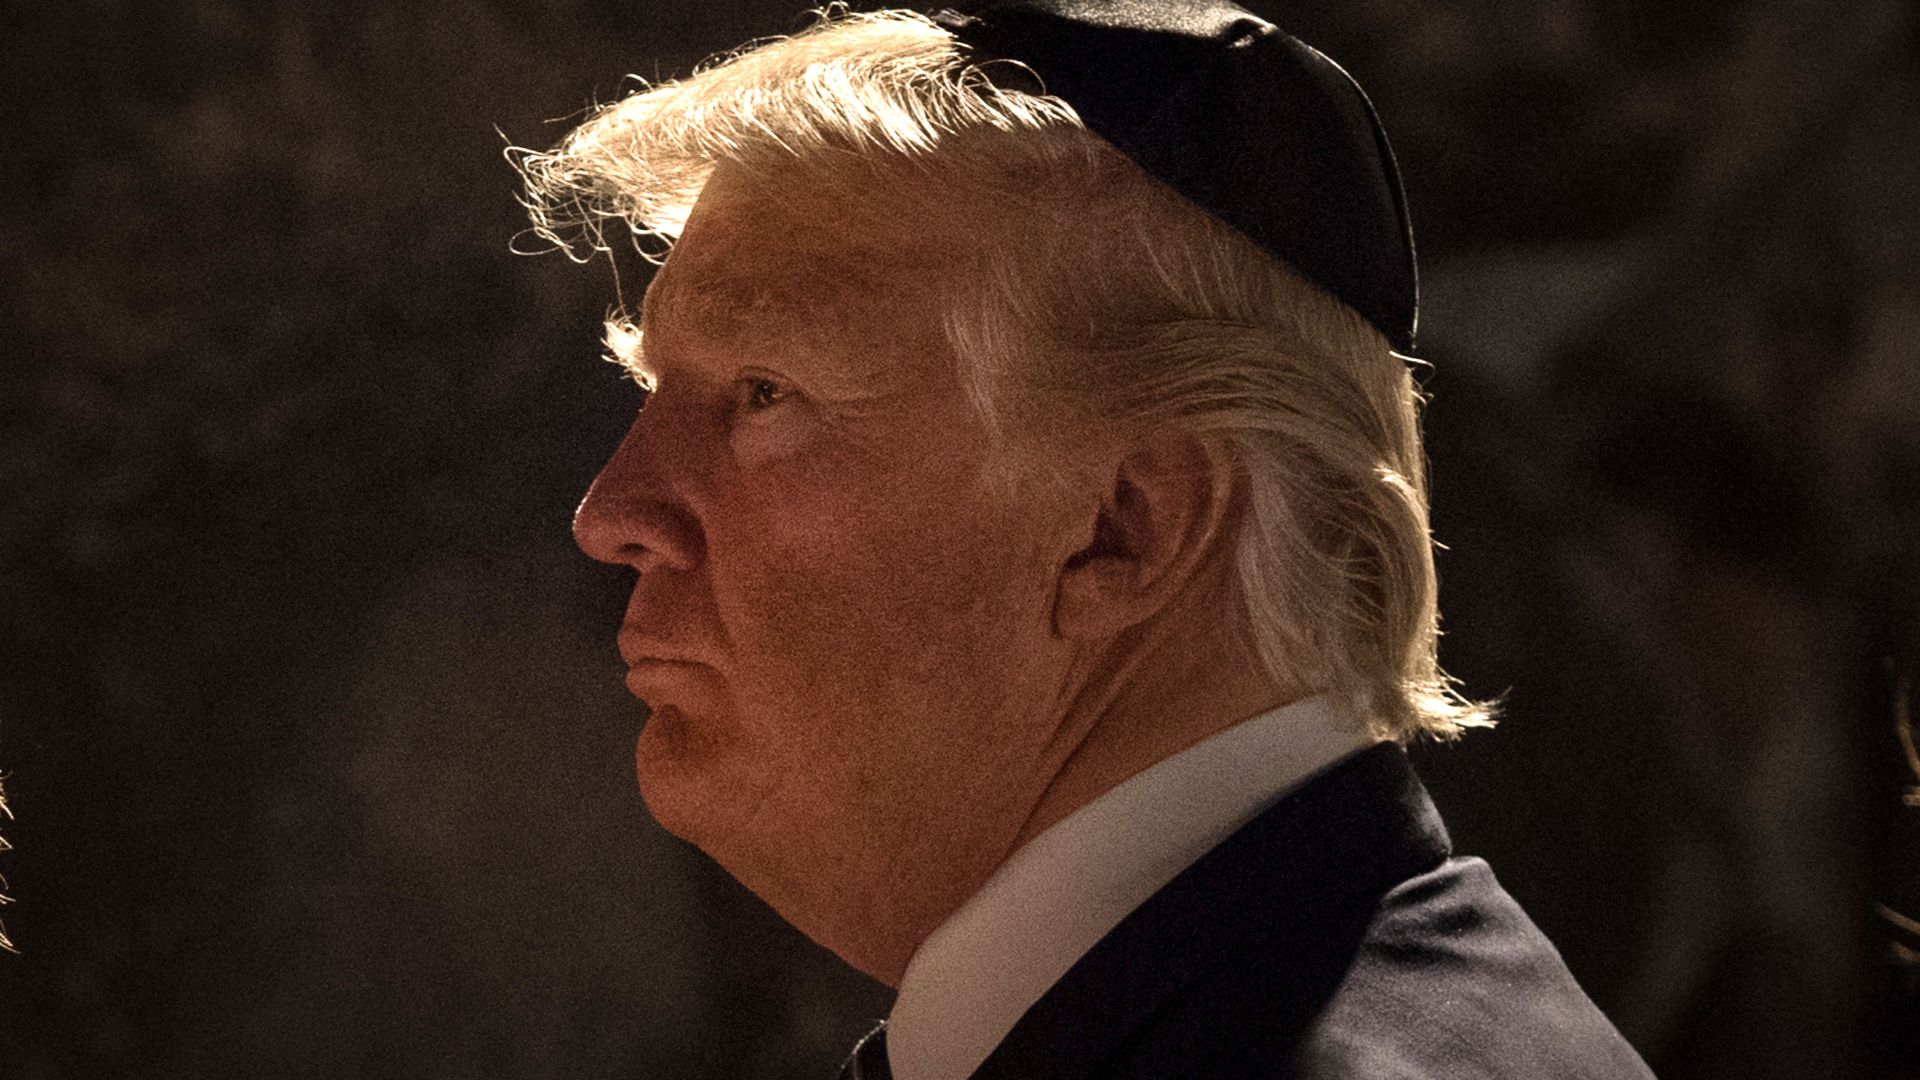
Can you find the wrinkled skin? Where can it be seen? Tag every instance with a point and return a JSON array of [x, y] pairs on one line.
[[844, 630], [864, 690]]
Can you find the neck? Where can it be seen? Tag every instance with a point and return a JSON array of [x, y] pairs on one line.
[[1142, 697], [1165, 686]]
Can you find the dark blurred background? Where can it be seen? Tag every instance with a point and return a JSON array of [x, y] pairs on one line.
[[310, 715]]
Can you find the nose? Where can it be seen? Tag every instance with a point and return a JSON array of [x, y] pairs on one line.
[[632, 516]]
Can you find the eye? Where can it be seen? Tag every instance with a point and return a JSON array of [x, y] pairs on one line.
[[768, 418], [758, 394]]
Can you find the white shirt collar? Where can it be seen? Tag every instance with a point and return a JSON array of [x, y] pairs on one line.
[[1061, 892]]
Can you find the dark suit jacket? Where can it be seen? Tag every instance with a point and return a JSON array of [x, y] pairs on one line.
[[1332, 936]]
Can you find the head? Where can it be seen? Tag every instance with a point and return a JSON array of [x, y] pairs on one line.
[[958, 427]]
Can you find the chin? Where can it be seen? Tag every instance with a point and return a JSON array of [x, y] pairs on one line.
[[681, 767]]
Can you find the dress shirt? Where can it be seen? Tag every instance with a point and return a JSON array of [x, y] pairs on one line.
[[971, 980]]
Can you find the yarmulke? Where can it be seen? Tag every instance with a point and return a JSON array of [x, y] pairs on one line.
[[1250, 123]]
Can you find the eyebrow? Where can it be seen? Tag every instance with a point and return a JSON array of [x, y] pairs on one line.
[[702, 303], [622, 339], [747, 313]]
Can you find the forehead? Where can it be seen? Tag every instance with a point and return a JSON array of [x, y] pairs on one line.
[[761, 257]]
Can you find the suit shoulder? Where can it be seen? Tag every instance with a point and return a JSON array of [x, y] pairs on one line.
[[1444, 978], [1453, 979]]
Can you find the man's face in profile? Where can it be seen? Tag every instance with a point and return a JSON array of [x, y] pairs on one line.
[[843, 617]]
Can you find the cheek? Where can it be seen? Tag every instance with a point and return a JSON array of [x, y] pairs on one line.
[[871, 589]]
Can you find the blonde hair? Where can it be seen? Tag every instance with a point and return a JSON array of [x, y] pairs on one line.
[[1121, 307]]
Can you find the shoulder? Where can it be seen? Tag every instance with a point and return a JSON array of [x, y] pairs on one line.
[[1445, 977], [1452, 979], [1330, 937]]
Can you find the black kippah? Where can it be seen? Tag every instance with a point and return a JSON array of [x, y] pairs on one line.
[[1250, 123]]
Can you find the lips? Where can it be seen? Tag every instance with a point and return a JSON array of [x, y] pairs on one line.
[[648, 660], [658, 681], [637, 650], [660, 667], [664, 673]]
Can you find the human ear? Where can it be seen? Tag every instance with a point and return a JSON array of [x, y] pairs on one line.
[[1165, 509]]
